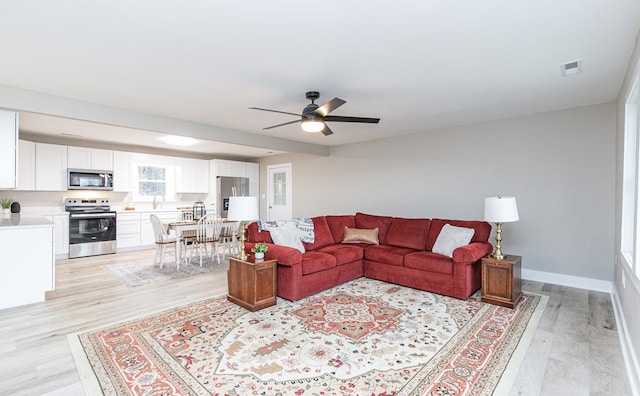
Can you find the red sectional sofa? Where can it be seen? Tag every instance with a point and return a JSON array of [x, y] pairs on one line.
[[403, 256]]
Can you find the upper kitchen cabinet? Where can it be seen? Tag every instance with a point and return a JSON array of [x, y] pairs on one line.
[[89, 158], [192, 176], [8, 148], [230, 168], [26, 165], [122, 171], [51, 167]]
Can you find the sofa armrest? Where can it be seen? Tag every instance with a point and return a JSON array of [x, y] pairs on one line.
[[472, 252], [283, 254]]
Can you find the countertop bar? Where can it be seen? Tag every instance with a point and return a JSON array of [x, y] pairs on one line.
[[20, 221]]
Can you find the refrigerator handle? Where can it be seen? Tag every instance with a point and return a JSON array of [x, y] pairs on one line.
[[233, 191]]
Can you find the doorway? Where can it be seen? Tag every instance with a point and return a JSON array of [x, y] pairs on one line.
[[279, 204]]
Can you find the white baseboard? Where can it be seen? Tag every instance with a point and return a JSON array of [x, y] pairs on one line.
[[568, 280], [630, 358]]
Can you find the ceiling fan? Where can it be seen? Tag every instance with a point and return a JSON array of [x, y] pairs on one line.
[[314, 117]]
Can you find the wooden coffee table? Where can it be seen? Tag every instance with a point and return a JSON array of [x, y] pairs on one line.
[[252, 284]]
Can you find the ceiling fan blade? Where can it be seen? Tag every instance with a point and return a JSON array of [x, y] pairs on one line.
[[326, 131], [352, 119], [330, 106], [274, 111], [283, 124]]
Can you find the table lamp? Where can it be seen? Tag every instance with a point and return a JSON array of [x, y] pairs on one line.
[[242, 209], [500, 210]]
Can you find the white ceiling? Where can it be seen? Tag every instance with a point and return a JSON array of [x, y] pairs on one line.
[[418, 65]]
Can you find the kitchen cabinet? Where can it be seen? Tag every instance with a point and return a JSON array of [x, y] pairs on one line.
[[51, 167], [8, 148], [253, 173], [192, 176], [89, 158], [26, 165], [28, 264], [122, 171], [61, 233], [127, 230], [230, 168]]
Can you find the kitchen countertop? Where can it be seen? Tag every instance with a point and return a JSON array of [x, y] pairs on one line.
[[19, 221]]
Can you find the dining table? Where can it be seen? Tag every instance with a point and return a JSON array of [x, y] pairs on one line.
[[182, 226]]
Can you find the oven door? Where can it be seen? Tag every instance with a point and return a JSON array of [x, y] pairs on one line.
[[92, 233]]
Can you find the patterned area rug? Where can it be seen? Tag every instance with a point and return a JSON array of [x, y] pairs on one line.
[[138, 272], [365, 337]]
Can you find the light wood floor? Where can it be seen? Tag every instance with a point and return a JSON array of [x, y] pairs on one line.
[[575, 348]]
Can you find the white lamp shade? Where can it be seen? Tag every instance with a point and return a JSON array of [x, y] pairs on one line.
[[243, 209], [500, 209]]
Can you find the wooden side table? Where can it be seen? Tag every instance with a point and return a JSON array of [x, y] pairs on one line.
[[252, 284], [501, 282]]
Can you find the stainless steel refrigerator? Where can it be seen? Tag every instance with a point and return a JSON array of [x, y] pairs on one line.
[[230, 187]]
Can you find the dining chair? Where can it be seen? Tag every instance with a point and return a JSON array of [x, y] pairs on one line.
[[162, 241], [207, 233], [229, 238]]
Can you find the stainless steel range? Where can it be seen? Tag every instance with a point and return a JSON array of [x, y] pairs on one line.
[[92, 227]]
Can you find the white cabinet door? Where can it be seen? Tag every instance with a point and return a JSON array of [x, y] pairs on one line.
[[89, 158], [51, 167], [122, 172], [128, 230], [8, 148], [101, 159], [230, 168], [253, 173], [192, 176], [78, 157], [61, 233], [26, 165]]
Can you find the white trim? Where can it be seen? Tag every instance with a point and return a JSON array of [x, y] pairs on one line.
[[628, 353], [568, 280]]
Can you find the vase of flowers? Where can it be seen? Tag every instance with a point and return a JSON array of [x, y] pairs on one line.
[[258, 249]]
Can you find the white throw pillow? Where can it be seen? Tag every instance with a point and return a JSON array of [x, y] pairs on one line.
[[287, 235], [451, 238]]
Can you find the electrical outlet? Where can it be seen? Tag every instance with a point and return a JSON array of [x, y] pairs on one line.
[[624, 286]]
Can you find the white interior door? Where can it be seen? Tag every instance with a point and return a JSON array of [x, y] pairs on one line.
[[279, 206]]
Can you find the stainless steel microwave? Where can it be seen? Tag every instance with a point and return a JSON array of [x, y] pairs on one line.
[[88, 179]]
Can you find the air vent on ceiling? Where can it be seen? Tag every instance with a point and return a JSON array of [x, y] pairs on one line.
[[571, 68]]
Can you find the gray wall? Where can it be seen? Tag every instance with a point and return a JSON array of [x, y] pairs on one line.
[[559, 165]]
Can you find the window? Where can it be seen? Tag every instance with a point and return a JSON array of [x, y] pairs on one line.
[[154, 181], [629, 235]]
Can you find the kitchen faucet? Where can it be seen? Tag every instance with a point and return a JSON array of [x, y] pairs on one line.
[[155, 200]]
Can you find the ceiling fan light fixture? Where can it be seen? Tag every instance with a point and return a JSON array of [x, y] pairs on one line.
[[312, 126]]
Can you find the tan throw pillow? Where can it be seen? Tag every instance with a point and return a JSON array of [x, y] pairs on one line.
[[359, 235]]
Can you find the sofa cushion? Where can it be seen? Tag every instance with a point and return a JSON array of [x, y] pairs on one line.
[[392, 255], [451, 238], [322, 233], [410, 233], [344, 254], [254, 236], [337, 224], [313, 262], [382, 223], [429, 262], [358, 235], [481, 234]]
